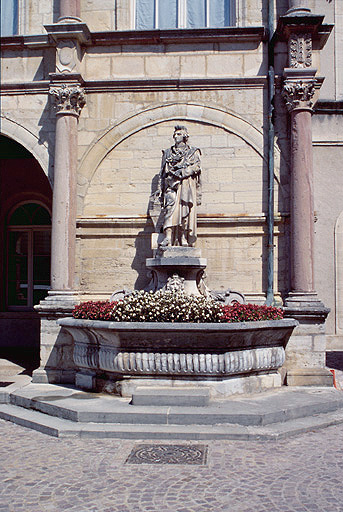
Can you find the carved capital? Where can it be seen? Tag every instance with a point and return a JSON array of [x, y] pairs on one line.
[[300, 50], [298, 93], [68, 99]]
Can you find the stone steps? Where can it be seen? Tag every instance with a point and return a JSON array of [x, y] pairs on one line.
[[66, 411], [262, 409], [58, 427]]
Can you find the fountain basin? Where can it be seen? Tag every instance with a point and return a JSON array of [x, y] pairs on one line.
[[177, 353]]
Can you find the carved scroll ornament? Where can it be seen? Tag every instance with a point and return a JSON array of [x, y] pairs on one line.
[[68, 99], [300, 50], [298, 93]]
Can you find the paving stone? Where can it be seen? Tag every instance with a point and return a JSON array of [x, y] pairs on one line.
[[46, 474]]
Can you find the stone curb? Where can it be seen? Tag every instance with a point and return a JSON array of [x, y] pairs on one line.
[[57, 427], [15, 382]]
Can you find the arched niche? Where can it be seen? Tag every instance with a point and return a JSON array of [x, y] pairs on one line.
[[179, 112], [30, 142], [233, 172]]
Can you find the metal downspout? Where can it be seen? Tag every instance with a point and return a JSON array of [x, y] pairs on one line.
[[270, 213]]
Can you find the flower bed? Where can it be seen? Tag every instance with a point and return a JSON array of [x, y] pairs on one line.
[[167, 306]]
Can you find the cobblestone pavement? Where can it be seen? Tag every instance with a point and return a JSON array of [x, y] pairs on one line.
[[45, 474]]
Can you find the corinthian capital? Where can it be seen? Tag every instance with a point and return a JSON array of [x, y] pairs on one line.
[[68, 99], [298, 93]]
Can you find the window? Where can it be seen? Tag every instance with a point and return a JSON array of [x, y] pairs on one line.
[[166, 14], [9, 17], [28, 256]]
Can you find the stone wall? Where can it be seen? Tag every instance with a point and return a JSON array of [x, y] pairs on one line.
[[232, 230], [174, 61], [135, 94]]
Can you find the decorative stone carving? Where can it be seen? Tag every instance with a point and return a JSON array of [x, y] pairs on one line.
[[67, 58], [136, 348], [69, 99], [179, 191], [107, 358], [300, 50], [178, 267], [298, 93], [175, 283]]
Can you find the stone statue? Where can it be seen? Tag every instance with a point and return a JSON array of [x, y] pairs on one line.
[[179, 190]]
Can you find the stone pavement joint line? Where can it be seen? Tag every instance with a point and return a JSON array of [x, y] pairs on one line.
[[39, 473]]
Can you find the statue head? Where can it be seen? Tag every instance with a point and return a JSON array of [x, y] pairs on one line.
[[180, 131]]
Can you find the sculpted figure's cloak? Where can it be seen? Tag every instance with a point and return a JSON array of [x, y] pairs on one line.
[[181, 189]]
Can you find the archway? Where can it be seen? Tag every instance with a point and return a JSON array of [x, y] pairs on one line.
[[25, 224]]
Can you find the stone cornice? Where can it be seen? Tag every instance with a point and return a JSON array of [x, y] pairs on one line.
[[25, 42], [329, 107], [156, 84], [310, 23], [135, 37], [39, 87], [180, 36], [93, 86], [66, 31], [96, 225]]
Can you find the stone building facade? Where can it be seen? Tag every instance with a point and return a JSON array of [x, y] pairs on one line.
[[90, 94]]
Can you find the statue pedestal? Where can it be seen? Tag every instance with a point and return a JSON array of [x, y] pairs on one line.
[[177, 268]]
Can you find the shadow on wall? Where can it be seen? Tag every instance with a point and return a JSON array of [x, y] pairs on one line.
[[335, 360], [143, 246], [19, 339]]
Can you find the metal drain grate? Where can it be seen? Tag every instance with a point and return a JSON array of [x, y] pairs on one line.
[[168, 454]]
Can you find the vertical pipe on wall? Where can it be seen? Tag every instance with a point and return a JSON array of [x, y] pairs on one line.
[[270, 213]]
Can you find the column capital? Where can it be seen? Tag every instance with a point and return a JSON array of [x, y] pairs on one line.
[[68, 98], [298, 94], [299, 87]]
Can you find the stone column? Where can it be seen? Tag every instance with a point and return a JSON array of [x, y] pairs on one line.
[[56, 352], [69, 99], [298, 7], [70, 10], [305, 353], [299, 87]]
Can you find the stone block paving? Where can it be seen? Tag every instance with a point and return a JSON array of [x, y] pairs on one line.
[[39, 473]]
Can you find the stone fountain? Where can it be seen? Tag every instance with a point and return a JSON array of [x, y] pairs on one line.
[[223, 358]]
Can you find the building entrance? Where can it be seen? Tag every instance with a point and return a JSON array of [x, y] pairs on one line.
[[25, 233]]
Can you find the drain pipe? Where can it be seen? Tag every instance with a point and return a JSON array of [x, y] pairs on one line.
[[270, 213]]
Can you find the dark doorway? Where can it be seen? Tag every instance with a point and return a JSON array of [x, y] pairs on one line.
[[25, 222]]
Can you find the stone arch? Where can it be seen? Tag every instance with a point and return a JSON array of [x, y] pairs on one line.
[[339, 273], [29, 141], [215, 116]]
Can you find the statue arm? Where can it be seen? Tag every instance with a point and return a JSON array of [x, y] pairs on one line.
[[191, 165]]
